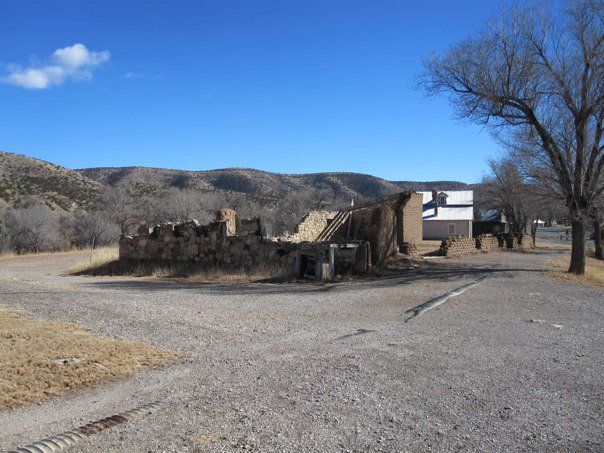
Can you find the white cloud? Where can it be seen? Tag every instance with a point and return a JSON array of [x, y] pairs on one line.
[[133, 75], [78, 55], [74, 62]]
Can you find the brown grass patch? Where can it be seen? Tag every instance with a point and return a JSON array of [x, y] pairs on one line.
[[217, 274], [98, 257], [185, 270], [553, 245], [31, 351], [594, 271]]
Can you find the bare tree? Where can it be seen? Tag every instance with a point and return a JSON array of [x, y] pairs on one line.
[[179, 204], [33, 229], [122, 207], [505, 189], [4, 238], [323, 197], [93, 228], [540, 72], [596, 214]]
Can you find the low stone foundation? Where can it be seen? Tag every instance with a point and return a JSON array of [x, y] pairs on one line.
[[458, 246], [238, 243]]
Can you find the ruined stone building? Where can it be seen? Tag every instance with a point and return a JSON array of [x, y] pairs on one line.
[[324, 243]]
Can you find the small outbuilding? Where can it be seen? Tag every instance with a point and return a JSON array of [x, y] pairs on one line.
[[491, 221], [447, 213]]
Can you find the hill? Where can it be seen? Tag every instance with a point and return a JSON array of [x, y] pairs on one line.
[[261, 184], [24, 178]]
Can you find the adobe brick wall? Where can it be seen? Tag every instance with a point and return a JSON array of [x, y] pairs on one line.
[[513, 243], [412, 219], [458, 246], [488, 242], [389, 225]]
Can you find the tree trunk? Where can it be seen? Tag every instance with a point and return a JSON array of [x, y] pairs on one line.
[[597, 238], [534, 232], [577, 256]]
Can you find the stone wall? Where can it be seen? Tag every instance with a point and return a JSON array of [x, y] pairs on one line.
[[457, 246], [230, 216], [353, 238], [311, 225], [488, 242], [232, 243], [213, 243], [460, 245]]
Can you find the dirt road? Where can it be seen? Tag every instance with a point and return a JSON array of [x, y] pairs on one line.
[[335, 367]]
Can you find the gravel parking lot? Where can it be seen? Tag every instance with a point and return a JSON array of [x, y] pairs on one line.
[[285, 367]]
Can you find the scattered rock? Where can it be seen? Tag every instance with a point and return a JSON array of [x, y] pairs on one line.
[[99, 366], [68, 361], [542, 321]]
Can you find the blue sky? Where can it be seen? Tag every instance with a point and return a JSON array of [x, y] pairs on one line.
[[284, 86]]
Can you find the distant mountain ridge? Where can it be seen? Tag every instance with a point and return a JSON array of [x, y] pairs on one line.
[[22, 176], [262, 183]]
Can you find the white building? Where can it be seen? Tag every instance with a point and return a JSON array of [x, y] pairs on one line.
[[448, 213]]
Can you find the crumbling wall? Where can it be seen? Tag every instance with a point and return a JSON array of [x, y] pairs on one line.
[[457, 246], [216, 245], [461, 245], [230, 216], [213, 243], [377, 225], [488, 242], [389, 225], [311, 226], [512, 242]]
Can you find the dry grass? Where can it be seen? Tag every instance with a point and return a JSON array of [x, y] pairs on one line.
[[425, 248], [553, 245], [29, 349], [97, 258], [594, 271], [13, 255], [108, 265], [199, 273]]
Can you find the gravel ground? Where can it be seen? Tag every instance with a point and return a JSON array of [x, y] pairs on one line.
[[286, 368]]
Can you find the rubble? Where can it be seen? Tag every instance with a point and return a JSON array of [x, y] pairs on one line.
[[324, 244]]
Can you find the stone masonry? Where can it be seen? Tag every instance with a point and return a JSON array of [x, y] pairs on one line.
[[323, 245], [232, 243], [311, 226]]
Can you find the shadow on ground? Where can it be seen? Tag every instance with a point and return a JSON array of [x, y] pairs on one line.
[[446, 273]]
